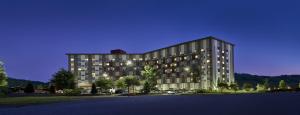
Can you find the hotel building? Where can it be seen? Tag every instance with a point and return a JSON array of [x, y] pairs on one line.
[[197, 64]]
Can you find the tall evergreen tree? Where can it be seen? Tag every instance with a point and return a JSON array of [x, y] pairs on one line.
[[94, 89], [146, 88]]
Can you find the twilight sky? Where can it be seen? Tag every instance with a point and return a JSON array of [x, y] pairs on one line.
[[35, 35]]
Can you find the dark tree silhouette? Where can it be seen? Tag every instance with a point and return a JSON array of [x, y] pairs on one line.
[[94, 89], [29, 88]]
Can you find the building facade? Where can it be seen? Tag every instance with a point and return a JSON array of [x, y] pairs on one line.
[[197, 64]]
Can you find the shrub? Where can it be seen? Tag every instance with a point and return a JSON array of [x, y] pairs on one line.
[[222, 86], [200, 91], [72, 92], [247, 86], [234, 86]]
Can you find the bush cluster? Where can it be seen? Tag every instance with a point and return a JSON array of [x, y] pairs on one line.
[[72, 92]]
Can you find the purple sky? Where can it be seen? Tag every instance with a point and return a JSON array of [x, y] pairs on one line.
[[35, 35]]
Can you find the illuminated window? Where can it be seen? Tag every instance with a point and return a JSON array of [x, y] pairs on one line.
[[187, 69], [72, 59], [129, 62], [105, 75]]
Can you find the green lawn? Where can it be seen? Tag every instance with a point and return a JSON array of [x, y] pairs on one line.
[[37, 100]]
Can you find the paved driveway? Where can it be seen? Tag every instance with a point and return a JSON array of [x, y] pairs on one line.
[[249, 104]]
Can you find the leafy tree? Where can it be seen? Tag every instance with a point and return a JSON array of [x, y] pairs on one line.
[[222, 86], [247, 86], [52, 89], [282, 84], [149, 75], [260, 87], [266, 83], [234, 87], [120, 83], [146, 88], [29, 88], [94, 89], [299, 85], [104, 84], [131, 81], [63, 80], [3, 81]]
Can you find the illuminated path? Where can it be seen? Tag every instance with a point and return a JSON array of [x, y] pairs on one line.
[[250, 104]]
